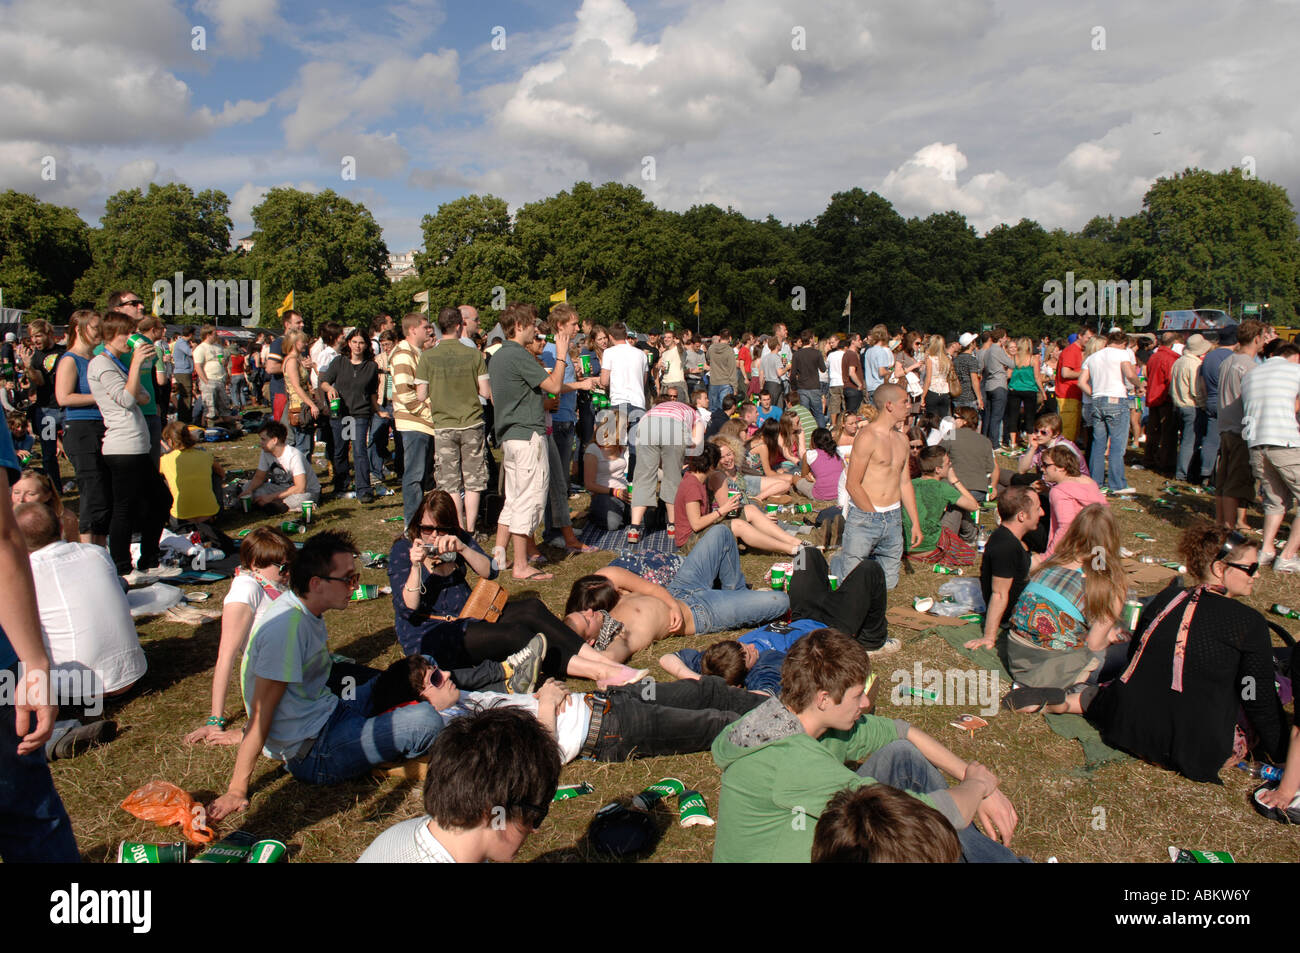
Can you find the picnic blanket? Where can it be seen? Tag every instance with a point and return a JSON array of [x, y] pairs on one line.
[[615, 540], [1075, 727]]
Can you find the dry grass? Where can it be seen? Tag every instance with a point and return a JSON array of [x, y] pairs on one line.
[[1129, 811]]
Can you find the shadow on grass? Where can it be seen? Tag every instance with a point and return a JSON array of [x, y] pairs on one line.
[[586, 851]]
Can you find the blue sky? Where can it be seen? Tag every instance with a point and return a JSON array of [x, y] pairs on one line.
[[997, 108]]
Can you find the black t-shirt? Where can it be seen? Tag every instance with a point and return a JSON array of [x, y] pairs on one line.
[[277, 379], [355, 383], [44, 361], [808, 361], [1004, 556]]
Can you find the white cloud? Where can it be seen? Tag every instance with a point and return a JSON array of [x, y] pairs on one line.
[[241, 24]]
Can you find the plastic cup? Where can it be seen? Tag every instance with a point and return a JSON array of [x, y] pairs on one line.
[[133, 852], [267, 852], [692, 810], [307, 507], [834, 581], [923, 604], [778, 578], [335, 406], [247, 503], [667, 787]]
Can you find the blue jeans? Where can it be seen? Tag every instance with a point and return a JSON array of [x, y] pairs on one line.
[[415, 453], [1110, 419], [716, 393], [351, 743], [875, 535], [607, 512], [1209, 446], [995, 410], [812, 399], [34, 827], [360, 451], [900, 765], [379, 438], [1193, 421], [734, 606]]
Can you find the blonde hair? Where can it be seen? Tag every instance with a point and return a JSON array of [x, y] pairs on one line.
[[938, 350], [1092, 539], [1024, 352]]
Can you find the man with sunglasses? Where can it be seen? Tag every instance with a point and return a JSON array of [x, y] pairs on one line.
[[292, 715]]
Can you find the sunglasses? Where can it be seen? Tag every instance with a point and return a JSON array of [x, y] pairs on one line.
[[132, 304], [352, 579], [535, 814], [1249, 569], [430, 528]]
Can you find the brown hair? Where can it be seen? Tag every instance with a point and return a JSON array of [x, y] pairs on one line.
[[178, 435], [1201, 543], [53, 500], [560, 315], [1013, 500], [79, 321], [969, 416], [878, 824], [449, 319], [115, 323], [1052, 421], [725, 660], [265, 546], [1092, 539], [411, 320], [439, 505], [516, 314], [1064, 458], [823, 660]]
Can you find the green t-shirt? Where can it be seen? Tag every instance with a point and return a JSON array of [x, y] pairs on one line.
[[932, 499], [146, 371], [452, 371], [806, 420], [516, 378]]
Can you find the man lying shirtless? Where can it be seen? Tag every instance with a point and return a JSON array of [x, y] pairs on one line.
[[689, 605]]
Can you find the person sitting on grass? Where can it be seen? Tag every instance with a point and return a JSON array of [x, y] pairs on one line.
[[33, 486], [882, 825], [937, 488], [265, 557], [695, 511], [822, 468], [784, 761], [765, 455], [604, 474], [642, 720], [1007, 562], [642, 612], [976, 466], [491, 777], [284, 479], [751, 487], [293, 717], [190, 474], [1065, 620], [1071, 491], [766, 409], [1198, 661]]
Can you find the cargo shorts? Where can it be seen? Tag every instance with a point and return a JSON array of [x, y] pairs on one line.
[[458, 459]]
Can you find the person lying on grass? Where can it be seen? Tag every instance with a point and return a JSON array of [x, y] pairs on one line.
[[491, 777], [293, 716], [643, 720], [646, 612], [1200, 659], [784, 761]]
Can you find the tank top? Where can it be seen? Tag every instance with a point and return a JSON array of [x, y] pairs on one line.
[[83, 387], [938, 382], [1022, 378], [826, 469]]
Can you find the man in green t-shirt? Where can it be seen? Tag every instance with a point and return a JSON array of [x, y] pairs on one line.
[[937, 488], [783, 762], [452, 377], [518, 380]]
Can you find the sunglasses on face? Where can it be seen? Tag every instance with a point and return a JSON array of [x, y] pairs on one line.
[[426, 528], [1249, 569]]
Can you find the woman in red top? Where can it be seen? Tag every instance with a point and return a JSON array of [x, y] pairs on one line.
[[694, 511], [239, 393]]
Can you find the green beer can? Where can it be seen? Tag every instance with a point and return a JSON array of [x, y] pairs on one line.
[[292, 526], [132, 852], [335, 406], [585, 361], [267, 852], [599, 401], [229, 850]]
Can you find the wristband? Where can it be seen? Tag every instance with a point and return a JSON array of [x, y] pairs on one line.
[[217, 721]]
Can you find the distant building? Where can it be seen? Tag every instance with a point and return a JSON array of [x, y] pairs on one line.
[[244, 244], [401, 265]]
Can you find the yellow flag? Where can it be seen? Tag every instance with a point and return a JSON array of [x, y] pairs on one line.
[[156, 298], [286, 305], [695, 299], [560, 297]]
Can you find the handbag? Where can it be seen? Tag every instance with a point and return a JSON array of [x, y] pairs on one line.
[[954, 382], [486, 601]]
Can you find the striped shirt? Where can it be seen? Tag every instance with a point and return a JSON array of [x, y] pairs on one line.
[[1268, 396], [408, 413]]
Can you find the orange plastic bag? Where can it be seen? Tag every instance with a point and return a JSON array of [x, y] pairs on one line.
[[166, 804]]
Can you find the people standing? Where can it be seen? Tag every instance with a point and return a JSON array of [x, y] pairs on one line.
[[722, 369], [83, 432], [1104, 378], [1162, 418], [354, 379], [38, 364], [183, 373], [1188, 393]]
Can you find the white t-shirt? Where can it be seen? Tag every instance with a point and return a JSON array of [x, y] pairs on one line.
[[85, 618], [609, 473], [410, 842], [835, 367], [1104, 374], [291, 463], [627, 367], [246, 590], [674, 371], [570, 725]]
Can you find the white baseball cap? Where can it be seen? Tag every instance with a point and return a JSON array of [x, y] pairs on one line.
[[965, 339]]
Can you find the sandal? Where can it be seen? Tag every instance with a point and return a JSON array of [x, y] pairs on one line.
[[581, 549], [535, 576], [1031, 701]]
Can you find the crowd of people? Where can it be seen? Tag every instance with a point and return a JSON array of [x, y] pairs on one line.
[[899, 441]]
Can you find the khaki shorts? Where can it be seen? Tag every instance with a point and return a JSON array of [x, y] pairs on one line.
[[526, 468], [835, 403], [1071, 413], [458, 461], [1278, 470], [216, 404], [1233, 476]]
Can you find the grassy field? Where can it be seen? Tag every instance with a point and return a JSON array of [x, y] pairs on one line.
[[1127, 811]]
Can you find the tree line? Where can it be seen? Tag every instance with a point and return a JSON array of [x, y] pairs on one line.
[[1203, 239]]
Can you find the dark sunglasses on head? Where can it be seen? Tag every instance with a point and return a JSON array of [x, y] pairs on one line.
[[1234, 540]]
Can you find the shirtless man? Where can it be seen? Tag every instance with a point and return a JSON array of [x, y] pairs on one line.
[[688, 606], [878, 484]]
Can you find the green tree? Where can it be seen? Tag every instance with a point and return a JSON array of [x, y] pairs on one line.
[[325, 248], [44, 249], [149, 236]]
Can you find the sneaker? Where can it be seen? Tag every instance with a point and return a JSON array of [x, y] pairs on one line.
[[633, 534], [1282, 564], [137, 578], [525, 666], [889, 648], [1127, 491], [83, 738], [1266, 557], [499, 561], [163, 572]]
